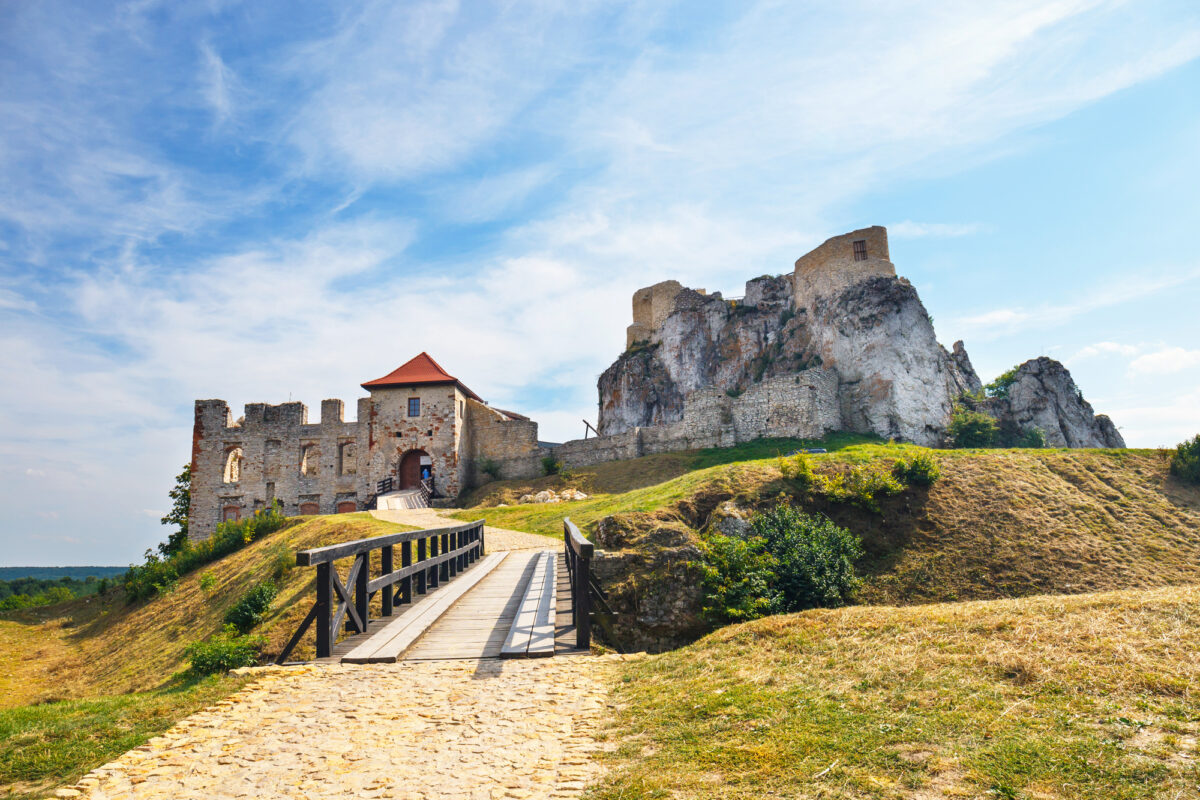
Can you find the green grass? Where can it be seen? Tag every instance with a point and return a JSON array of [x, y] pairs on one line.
[[1089, 697], [46, 746]]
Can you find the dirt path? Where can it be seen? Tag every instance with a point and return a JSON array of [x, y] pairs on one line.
[[417, 730], [497, 538]]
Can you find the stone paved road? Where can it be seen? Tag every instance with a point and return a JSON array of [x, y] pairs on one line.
[[434, 729]]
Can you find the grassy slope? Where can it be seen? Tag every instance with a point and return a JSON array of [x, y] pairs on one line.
[[46, 746], [999, 523], [116, 661], [1071, 697]]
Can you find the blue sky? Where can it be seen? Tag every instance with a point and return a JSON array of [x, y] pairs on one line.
[[263, 201]]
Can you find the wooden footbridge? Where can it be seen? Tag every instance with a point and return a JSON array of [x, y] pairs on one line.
[[448, 598]]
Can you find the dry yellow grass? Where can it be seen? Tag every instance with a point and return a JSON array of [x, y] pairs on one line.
[[1063, 697], [100, 646]]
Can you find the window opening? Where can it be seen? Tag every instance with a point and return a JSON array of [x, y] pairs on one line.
[[860, 250], [414, 406]]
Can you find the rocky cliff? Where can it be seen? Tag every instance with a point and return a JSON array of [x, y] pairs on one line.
[[845, 312]]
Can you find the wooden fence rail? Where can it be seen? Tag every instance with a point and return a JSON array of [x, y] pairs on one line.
[[441, 554], [579, 553]]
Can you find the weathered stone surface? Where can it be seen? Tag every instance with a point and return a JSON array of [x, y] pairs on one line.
[[713, 372], [1044, 395]]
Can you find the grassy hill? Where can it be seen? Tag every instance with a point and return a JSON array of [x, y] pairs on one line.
[[1085, 697], [103, 645], [999, 523]]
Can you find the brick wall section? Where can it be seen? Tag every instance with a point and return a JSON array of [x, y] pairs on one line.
[[831, 267]]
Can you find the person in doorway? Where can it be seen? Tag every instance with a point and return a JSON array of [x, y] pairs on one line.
[[426, 472]]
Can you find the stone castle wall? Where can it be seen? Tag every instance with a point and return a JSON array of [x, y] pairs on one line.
[[832, 267], [512, 443], [801, 406], [309, 468], [651, 307]]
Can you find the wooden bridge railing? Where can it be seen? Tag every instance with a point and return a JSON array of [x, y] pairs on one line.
[[441, 553], [579, 553]]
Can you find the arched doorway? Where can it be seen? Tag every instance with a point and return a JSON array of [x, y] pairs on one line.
[[413, 465]]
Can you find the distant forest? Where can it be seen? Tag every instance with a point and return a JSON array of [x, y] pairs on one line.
[[53, 573], [28, 591]]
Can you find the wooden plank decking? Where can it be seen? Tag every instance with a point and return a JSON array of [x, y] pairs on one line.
[[476, 626], [532, 632]]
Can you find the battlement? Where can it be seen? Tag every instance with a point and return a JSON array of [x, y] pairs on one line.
[[841, 261]]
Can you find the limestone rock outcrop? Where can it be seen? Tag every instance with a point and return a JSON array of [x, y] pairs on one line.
[[842, 318], [1043, 395]]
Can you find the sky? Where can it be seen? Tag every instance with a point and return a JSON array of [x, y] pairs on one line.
[[273, 201]]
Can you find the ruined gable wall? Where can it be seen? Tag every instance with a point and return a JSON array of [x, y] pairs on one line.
[[511, 443], [274, 442], [828, 269]]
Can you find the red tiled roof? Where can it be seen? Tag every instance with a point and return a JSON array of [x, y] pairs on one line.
[[417, 371]]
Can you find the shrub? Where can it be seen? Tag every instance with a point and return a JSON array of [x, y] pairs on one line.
[[1033, 438], [738, 576], [1185, 462], [1000, 386], [798, 469], [972, 428], [920, 470], [157, 573], [551, 465], [814, 558], [489, 467], [864, 485], [208, 582], [223, 652], [249, 611], [833, 487]]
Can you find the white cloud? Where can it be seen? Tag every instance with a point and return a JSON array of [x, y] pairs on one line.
[[219, 82], [1104, 349], [1166, 361], [932, 230]]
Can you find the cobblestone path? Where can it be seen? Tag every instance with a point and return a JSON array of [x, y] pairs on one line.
[[434, 729]]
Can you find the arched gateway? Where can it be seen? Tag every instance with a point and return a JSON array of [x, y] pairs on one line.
[[414, 465]]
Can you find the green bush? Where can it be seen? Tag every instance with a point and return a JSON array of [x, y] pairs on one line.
[[814, 558], [798, 469], [158, 574], [1032, 438], [489, 467], [920, 470], [1185, 462], [972, 428], [787, 561], [865, 485], [738, 578], [208, 582], [551, 465], [249, 611], [223, 652]]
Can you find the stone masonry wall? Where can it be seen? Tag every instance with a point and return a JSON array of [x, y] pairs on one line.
[[307, 467], [651, 306], [511, 443], [802, 406], [391, 432], [831, 267]]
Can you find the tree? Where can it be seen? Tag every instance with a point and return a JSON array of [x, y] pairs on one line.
[[1185, 461], [972, 428], [181, 497]]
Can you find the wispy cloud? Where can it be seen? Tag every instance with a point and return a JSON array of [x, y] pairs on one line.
[[932, 230], [1165, 361]]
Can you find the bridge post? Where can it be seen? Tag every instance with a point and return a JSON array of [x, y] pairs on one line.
[[423, 574], [362, 598], [323, 608], [406, 583], [386, 566]]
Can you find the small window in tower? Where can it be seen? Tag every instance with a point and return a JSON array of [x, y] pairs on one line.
[[414, 406], [860, 250]]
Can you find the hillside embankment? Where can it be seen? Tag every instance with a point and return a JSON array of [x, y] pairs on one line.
[[998, 523], [1085, 697]]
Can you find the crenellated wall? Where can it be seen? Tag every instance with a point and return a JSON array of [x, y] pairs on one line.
[[309, 468]]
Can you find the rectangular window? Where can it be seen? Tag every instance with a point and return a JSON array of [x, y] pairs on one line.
[[860, 250], [414, 406]]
